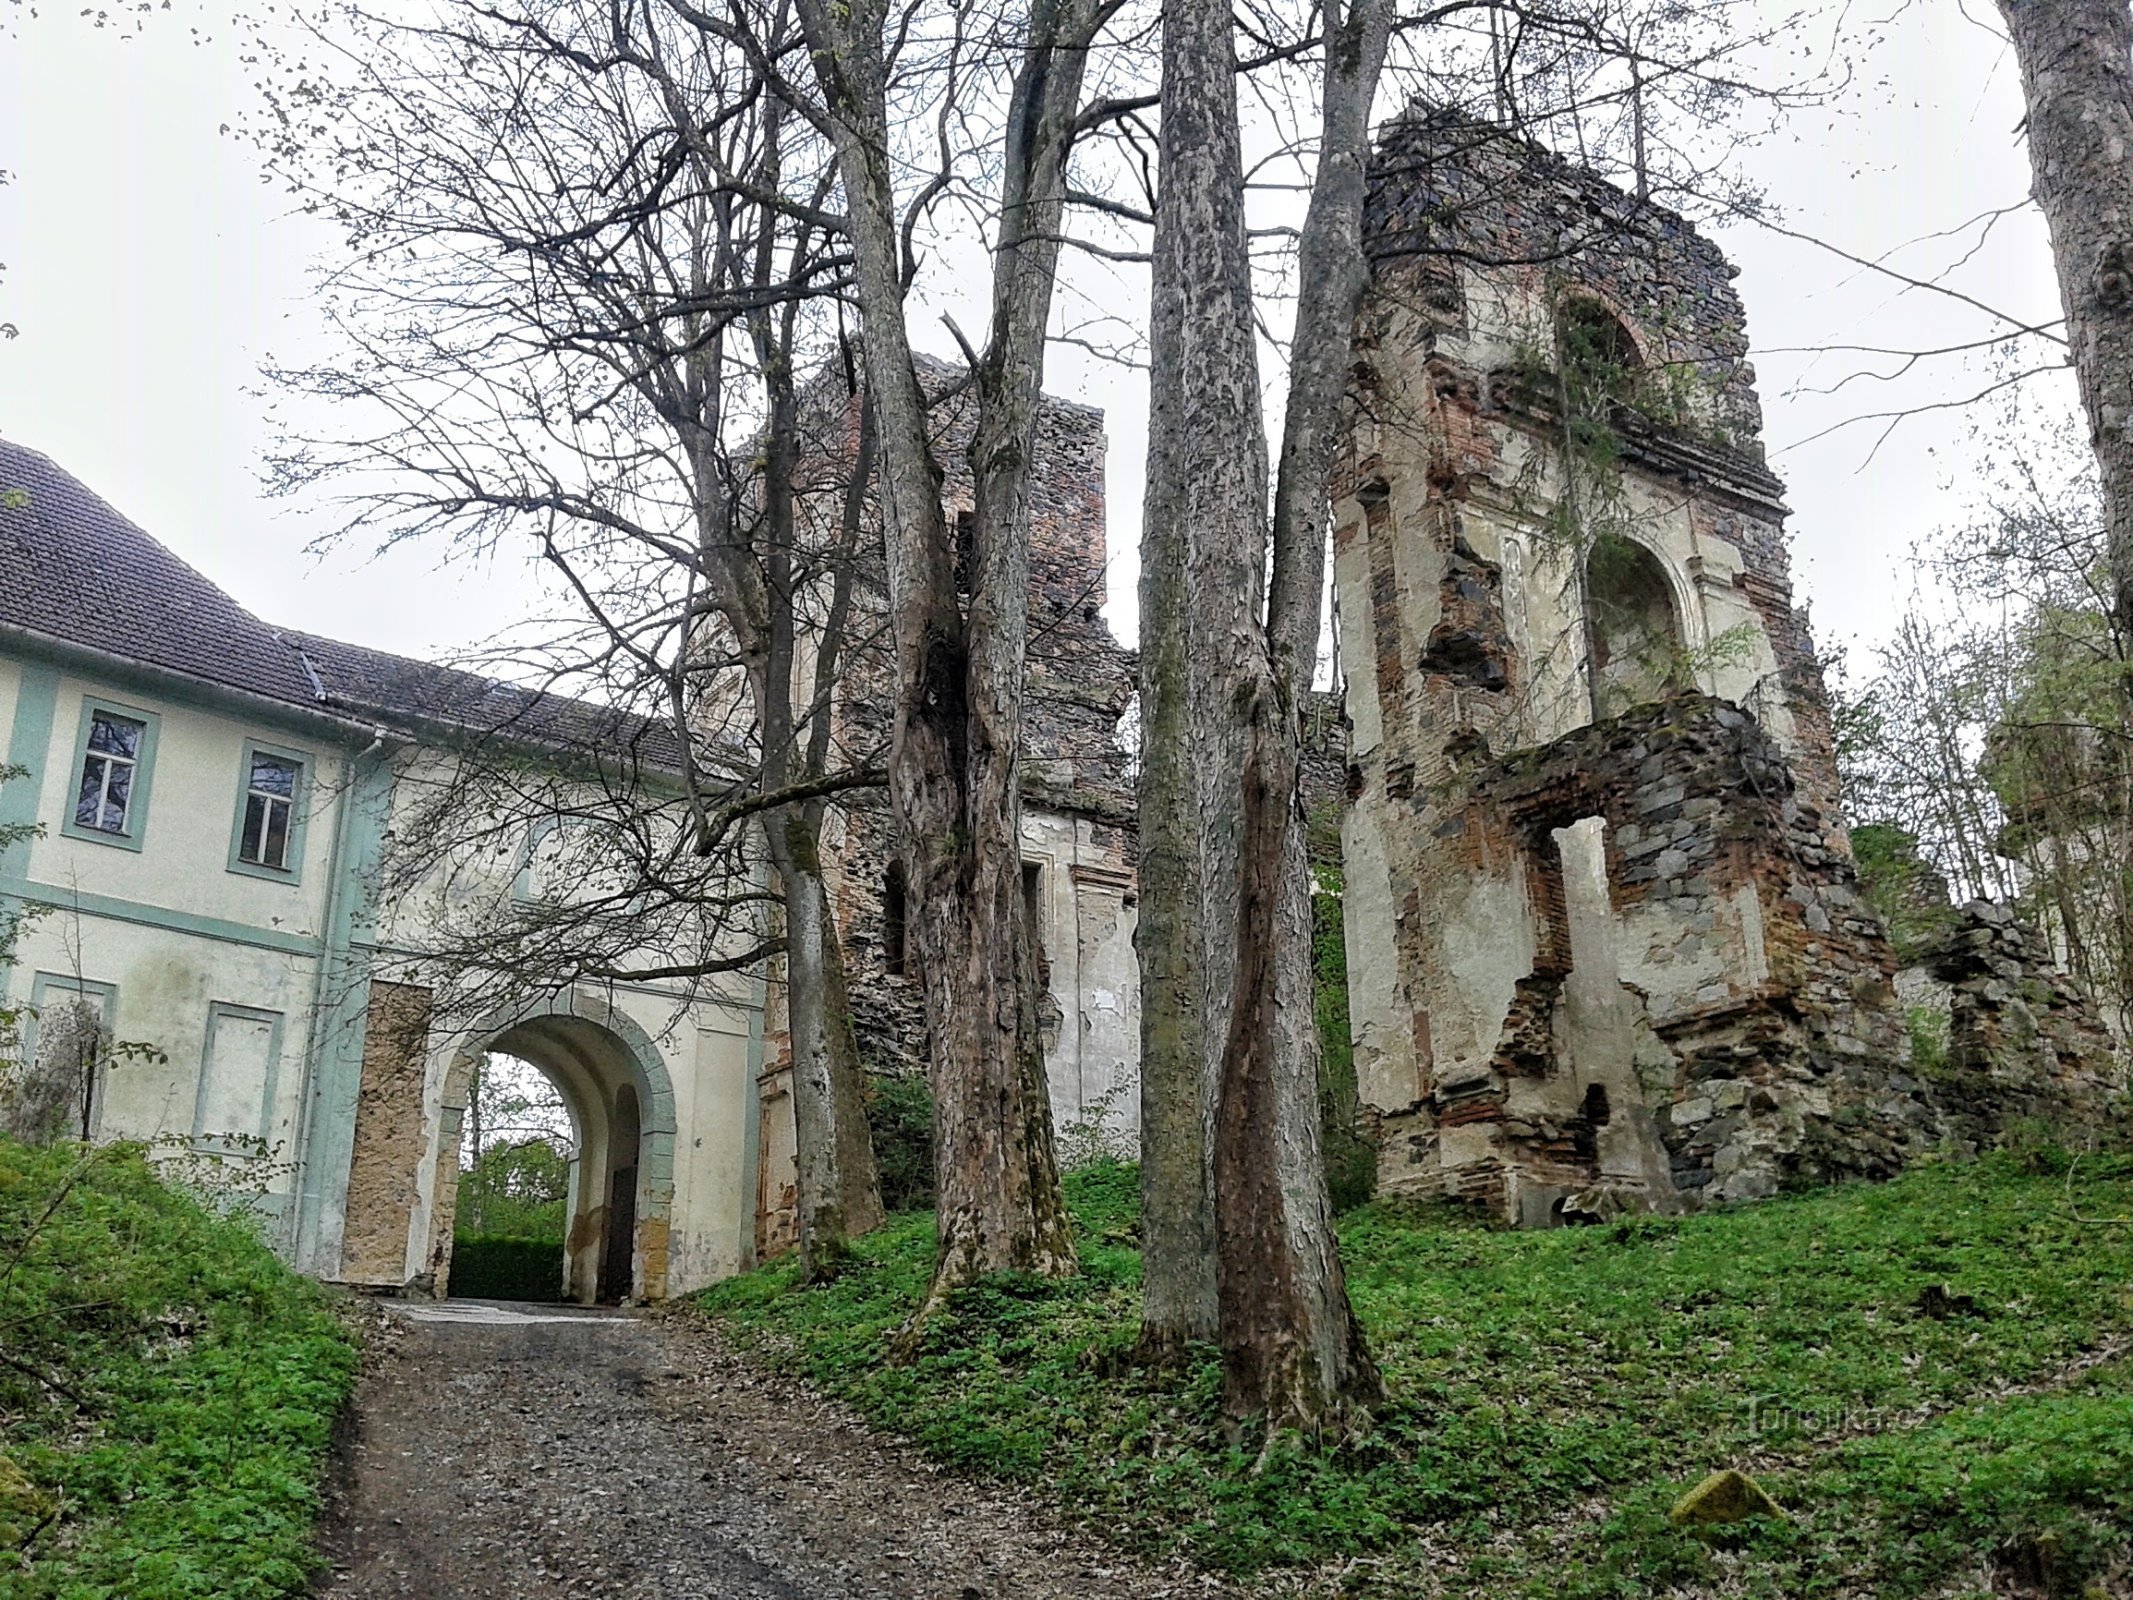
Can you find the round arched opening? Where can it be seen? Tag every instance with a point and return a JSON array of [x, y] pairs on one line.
[[617, 1192], [1601, 361], [1637, 648]]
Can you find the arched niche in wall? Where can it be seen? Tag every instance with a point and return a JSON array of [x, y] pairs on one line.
[[1601, 360], [1639, 647]]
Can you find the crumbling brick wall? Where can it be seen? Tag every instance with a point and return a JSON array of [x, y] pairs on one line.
[[1595, 958], [1478, 239], [1738, 992]]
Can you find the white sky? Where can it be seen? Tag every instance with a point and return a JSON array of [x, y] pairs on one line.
[[149, 272]]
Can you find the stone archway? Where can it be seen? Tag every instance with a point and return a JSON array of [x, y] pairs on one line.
[[621, 1101]]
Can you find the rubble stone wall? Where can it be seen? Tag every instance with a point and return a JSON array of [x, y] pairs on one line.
[[2025, 1046], [1628, 961]]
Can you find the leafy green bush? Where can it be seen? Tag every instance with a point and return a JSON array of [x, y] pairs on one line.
[[515, 1190], [168, 1390], [488, 1266], [1929, 1374], [900, 1120]]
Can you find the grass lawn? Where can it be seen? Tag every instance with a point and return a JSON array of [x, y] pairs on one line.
[[167, 1390], [1934, 1376]]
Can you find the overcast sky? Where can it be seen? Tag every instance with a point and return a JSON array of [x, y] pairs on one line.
[[149, 272]]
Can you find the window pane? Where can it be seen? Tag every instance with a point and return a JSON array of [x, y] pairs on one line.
[[118, 789], [255, 827], [115, 736], [89, 801], [276, 853], [272, 775]]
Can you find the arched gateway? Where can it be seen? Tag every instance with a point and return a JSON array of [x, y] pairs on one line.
[[621, 1103]]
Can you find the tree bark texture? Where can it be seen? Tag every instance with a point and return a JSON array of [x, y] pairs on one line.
[[840, 1191], [1292, 1351], [2076, 58], [955, 739], [1202, 398], [754, 584]]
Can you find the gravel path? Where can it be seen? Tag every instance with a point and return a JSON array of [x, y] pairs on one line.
[[523, 1453]]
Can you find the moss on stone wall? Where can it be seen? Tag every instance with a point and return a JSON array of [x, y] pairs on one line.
[[1351, 1156]]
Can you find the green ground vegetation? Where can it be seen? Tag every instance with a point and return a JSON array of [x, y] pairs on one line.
[[167, 1389], [515, 1190], [1934, 1377]]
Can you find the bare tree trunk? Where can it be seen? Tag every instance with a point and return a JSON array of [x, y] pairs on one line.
[[1292, 1351], [840, 1191], [1177, 1078], [2076, 58], [839, 1185], [955, 740]]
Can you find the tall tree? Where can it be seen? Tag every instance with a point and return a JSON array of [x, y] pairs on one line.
[[2076, 58], [955, 748], [592, 253], [1231, 650]]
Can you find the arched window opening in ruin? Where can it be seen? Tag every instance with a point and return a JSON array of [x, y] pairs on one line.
[[893, 912], [1637, 649], [1600, 362]]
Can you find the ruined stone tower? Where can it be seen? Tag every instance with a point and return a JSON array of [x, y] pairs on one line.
[[1605, 948]]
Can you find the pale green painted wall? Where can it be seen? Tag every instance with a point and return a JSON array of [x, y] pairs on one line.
[[175, 933]]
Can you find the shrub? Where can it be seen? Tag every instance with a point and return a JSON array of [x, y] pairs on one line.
[[169, 1392], [900, 1119], [490, 1266]]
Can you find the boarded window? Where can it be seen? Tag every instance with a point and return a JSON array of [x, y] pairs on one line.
[[237, 1076]]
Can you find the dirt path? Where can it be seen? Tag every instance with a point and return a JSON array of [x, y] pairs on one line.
[[523, 1453]]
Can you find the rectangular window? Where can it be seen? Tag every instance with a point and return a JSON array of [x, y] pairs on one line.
[[269, 804], [267, 834], [104, 800]]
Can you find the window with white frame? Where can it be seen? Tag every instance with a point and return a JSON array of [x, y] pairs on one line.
[[109, 766], [269, 808]]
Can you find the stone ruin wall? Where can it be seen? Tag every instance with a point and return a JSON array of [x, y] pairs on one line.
[[1706, 1010], [1629, 962]]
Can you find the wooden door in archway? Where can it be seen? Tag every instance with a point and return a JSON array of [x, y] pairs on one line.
[[619, 1249]]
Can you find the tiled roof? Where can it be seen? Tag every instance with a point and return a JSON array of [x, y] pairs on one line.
[[74, 570]]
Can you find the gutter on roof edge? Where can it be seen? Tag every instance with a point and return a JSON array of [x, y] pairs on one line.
[[82, 658]]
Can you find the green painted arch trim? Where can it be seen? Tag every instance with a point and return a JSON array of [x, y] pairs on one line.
[[656, 1125]]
